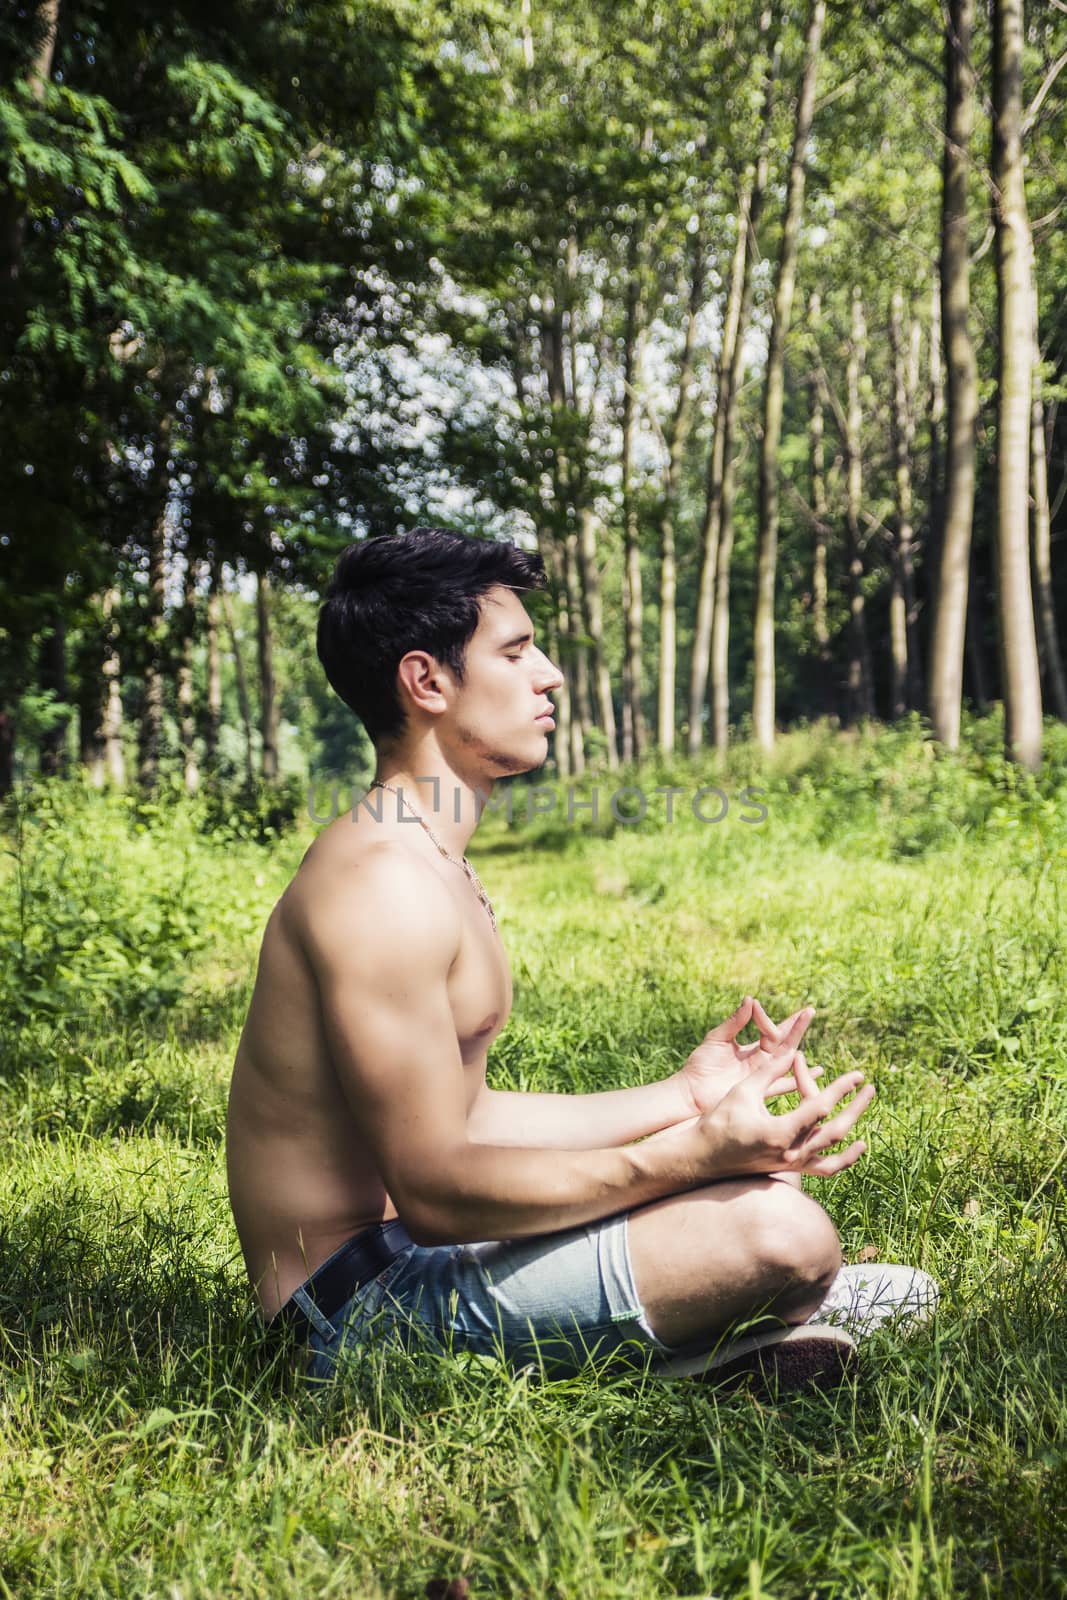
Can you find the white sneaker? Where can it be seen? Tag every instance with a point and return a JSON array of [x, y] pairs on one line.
[[777, 1361], [863, 1298]]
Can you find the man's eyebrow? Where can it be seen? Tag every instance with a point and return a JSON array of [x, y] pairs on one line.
[[520, 638]]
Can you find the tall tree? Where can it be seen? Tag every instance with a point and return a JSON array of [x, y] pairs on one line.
[[1020, 674], [677, 435], [961, 381], [268, 689], [241, 680], [860, 684], [155, 640], [636, 730], [763, 694], [820, 523], [1048, 638], [213, 696], [185, 698], [904, 629], [715, 553]]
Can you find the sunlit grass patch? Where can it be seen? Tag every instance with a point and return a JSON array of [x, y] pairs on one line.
[[151, 1444]]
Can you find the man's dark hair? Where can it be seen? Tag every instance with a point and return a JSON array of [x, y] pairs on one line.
[[409, 591]]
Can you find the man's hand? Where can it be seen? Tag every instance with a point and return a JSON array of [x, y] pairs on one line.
[[742, 1136], [719, 1063]]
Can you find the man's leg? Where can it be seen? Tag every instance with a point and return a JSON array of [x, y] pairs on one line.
[[704, 1260]]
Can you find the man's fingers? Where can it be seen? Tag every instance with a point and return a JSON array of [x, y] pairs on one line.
[[827, 1166], [798, 1124], [789, 1038], [827, 1099], [790, 1085], [798, 1028], [771, 1067], [733, 1024], [764, 1023], [832, 1132], [805, 1076]]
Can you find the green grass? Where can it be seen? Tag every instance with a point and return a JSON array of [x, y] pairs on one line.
[[150, 1447]]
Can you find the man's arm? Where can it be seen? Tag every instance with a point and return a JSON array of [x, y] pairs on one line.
[[601, 1120], [382, 940], [617, 1116]]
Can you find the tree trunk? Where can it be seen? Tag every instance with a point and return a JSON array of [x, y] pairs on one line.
[[241, 680], [7, 752], [91, 695], [931, 564], [677, 437], [975, 644], [91, 712], [214, 668], [635, 731], [558, 634], [578, 662], [587, 554], [817, 461], [898, 642], [961, 383], [860, 691], [763, 699], [186, 715], [155, 628], [268, 700], [1048, 638], [111, 727], [1020, 676], [561, 739], [916, 672], [735, 318], [53, 679], [575, 664], [551, 556], [712, 526], [720, 621], [906, 694]]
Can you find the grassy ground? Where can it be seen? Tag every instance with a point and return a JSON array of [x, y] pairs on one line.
[[149, 1448]]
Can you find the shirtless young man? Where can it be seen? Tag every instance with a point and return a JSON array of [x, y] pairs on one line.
[[379, 1187]]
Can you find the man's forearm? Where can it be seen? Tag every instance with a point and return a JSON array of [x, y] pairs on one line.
[[578, 1121], [505, 1192]]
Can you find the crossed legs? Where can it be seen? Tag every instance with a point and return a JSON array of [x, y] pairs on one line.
[[706, 1259]]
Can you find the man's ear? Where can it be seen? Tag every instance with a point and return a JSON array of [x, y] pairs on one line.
[[425, 682]]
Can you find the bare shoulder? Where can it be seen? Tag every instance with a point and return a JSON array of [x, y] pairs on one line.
[[376, 903]]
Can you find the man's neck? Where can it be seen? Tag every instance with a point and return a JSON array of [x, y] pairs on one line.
[[448, 804]]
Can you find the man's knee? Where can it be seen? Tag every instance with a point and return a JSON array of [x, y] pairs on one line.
[[795, 1241]]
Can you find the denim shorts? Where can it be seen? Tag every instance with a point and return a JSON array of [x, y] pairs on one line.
[[554, 1301]]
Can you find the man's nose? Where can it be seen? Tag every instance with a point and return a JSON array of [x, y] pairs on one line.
[[552, 677]]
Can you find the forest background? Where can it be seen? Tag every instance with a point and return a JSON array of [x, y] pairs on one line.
[[752, 320]]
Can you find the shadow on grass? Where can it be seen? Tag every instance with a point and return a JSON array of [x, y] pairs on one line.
[[130, 1306]]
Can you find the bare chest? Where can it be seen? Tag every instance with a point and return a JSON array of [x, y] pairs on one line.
[[479, 985]]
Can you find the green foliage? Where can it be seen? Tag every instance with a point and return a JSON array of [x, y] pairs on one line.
[[258, 812], [82, 942]]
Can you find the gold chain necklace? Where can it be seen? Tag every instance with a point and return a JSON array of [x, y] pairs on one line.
[[457, 861]]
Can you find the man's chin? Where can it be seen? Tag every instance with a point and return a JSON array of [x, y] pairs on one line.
[[514, 766]]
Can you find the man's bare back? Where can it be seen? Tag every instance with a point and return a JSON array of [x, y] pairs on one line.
[[302, 1177]]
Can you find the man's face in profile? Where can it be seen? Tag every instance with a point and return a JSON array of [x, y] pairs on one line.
[[507, 688]]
